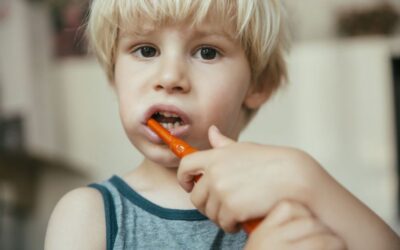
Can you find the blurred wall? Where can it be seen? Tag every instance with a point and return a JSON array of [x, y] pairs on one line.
[[316, 19], [27, 87]]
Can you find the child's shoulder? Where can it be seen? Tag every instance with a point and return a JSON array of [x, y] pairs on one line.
[[77, 221]]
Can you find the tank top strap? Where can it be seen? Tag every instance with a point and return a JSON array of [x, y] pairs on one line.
[[110, 214]]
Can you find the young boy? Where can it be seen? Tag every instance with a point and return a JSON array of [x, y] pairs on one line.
[[203, 68]]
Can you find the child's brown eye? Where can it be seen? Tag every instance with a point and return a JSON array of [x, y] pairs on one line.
[[146, 51], [208, 53]]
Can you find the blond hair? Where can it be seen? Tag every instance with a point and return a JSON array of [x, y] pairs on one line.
[[258, 25]]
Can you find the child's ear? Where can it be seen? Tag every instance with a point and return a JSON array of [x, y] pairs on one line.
[[259, 92]]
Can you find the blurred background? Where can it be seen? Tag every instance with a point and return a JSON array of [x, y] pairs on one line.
[[60, 129]]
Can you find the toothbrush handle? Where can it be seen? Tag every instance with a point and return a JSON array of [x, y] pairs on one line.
[[250, 225]]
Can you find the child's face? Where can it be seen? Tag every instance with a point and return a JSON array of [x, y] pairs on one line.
[[200, 74]]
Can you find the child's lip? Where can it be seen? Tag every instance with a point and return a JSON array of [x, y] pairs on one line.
[[166, 108]]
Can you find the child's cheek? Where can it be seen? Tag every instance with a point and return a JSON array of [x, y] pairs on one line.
[[224, 114]]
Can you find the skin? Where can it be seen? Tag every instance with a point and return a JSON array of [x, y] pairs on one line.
[[302, 206], [290, 225]]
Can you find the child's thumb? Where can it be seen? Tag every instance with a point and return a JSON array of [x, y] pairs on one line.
[[217, 139]]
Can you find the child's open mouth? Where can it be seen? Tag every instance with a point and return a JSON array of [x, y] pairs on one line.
[[175, 120], [168, 120]]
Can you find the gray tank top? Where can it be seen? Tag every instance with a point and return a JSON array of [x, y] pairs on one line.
[[133, 222]]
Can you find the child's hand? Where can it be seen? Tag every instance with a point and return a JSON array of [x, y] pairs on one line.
[[242, 181], [290, 225]]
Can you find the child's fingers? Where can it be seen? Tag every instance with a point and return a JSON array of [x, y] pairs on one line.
[[288, 221], [189, 167], [212, 207], [290, 231], [226, 220], [301, 228], [323, 241], [200, 195], [295, 234], [217, 139], [285, 211]]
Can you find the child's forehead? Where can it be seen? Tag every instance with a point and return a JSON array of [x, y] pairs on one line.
[[203, 28]]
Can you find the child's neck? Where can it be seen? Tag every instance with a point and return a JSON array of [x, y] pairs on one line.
[[159, 175], [160, 185]]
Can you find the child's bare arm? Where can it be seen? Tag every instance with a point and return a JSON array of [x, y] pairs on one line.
[[243, 181], [77, 222]]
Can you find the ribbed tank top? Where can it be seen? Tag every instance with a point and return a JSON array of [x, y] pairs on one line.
[[133, 222]]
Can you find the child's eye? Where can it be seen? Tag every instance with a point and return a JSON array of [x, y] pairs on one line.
[[145, 51], [207, 53]]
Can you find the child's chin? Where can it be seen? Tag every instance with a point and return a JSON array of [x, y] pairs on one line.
[[169, 161]]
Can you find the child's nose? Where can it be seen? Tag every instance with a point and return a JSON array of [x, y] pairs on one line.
[[173, 77]]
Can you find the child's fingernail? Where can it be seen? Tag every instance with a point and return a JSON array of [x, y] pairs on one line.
[[214, 128]]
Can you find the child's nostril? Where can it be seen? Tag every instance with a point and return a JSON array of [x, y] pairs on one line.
[[177, 88]]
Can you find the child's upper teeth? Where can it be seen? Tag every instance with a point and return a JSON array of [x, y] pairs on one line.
[[166, 114]]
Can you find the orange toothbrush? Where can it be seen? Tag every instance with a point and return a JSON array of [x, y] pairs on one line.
[[180, 148]]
